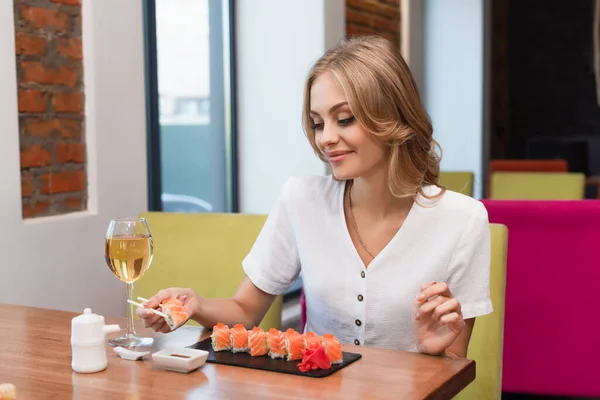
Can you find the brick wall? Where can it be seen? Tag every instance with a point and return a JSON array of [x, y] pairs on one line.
[[48, 51], [380, 17]]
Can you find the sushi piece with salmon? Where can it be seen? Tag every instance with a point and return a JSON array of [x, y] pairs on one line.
[[311, 339], [333, 348], [257, 342], [239, 339], [8, 391], [174, 312], [276, 343], [221, 337], [294, 345]]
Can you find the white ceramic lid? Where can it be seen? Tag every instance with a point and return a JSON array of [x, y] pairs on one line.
[[87, 327], [87, 317]]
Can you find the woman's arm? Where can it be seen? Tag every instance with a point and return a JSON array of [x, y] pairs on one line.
[[273, 263], [247, 306], [441, 329], [469, 278], [460, 346]]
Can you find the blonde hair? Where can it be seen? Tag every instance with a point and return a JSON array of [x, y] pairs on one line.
[[384, 99]]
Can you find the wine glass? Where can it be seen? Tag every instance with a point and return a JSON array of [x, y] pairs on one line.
[[128, 251]]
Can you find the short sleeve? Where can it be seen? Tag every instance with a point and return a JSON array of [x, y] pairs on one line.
[[469, 270], [273, 263]]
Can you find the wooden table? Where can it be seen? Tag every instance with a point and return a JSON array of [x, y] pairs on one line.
[[35, 355]]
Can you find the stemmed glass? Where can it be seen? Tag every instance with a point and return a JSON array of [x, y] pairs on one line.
[[128, 251]]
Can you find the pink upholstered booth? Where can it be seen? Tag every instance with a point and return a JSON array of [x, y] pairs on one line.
[[552, 321], [302, 310]]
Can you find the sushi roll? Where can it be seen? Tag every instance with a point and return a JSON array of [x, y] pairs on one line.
[[8, 391], [257, 342], [175, 314], [239, 339], [311, 340], [221, 337], [333, 348], [294, 345], [276, 342]]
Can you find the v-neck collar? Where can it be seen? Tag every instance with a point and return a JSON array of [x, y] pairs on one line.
[[348, 237]]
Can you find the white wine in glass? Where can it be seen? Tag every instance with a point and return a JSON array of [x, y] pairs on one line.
[[128, 251]]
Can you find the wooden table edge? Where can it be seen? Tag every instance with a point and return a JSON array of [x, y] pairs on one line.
[[462, 379]]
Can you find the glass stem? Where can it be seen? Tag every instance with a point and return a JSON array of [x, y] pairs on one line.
[[130, 329]]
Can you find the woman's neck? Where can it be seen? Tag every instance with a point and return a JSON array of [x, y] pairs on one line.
[[372, 194]]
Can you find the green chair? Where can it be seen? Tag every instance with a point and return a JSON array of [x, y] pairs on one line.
[[537, 186], [203, 252], [458, 181], [485, 346]]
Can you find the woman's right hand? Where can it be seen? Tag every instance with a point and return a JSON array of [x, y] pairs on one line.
[[191, 304]]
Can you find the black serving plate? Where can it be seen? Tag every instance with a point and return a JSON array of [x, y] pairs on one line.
[[266, 363]]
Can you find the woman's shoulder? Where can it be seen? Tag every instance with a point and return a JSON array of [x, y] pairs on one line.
[[453, 203]]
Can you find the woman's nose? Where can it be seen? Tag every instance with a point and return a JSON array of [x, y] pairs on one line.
[[329, 136]]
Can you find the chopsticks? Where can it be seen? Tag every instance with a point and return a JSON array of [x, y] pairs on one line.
[[143, 299], [149, 309]]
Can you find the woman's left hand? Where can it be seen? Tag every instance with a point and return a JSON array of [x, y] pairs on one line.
[[438, 317]]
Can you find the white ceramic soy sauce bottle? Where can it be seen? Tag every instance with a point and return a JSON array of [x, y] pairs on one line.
[[88, 346]]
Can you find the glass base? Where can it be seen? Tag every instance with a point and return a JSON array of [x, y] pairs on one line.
[[131, 341]]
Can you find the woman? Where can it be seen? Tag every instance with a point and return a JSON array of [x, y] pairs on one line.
[[388, 258]]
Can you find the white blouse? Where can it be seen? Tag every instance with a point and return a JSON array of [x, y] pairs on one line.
[[445, 240]]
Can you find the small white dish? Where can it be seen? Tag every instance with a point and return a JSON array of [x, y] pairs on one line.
[[180, 359], [131, 355]]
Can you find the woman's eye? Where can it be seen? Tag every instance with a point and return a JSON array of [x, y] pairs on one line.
[[346, 121], [317, 127]]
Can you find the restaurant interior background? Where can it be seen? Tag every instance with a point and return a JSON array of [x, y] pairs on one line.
[[194, 106]]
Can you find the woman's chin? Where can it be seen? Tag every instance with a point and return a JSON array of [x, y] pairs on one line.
[[343, 174]]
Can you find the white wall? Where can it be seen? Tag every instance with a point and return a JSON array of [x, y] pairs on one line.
[[411, 37], [58, 262], [453, 81], [277, 42]]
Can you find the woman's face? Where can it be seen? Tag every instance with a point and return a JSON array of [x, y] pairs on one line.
[[351, 151]]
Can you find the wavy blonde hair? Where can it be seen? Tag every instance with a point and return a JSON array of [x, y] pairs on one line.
[[383, 96]]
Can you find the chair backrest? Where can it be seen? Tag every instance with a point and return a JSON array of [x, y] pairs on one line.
[[537, 186], [501, 165], [528, 166], [485, 346], [204, 252], [550, 329], [458, 181]]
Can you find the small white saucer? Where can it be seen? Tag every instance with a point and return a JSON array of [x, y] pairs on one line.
[[180, 359], [131, 355]]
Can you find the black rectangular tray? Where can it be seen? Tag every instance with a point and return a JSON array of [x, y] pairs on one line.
[[266, 363]]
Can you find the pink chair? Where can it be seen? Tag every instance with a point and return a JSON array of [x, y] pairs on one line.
[[552, 320], [302, 310]]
